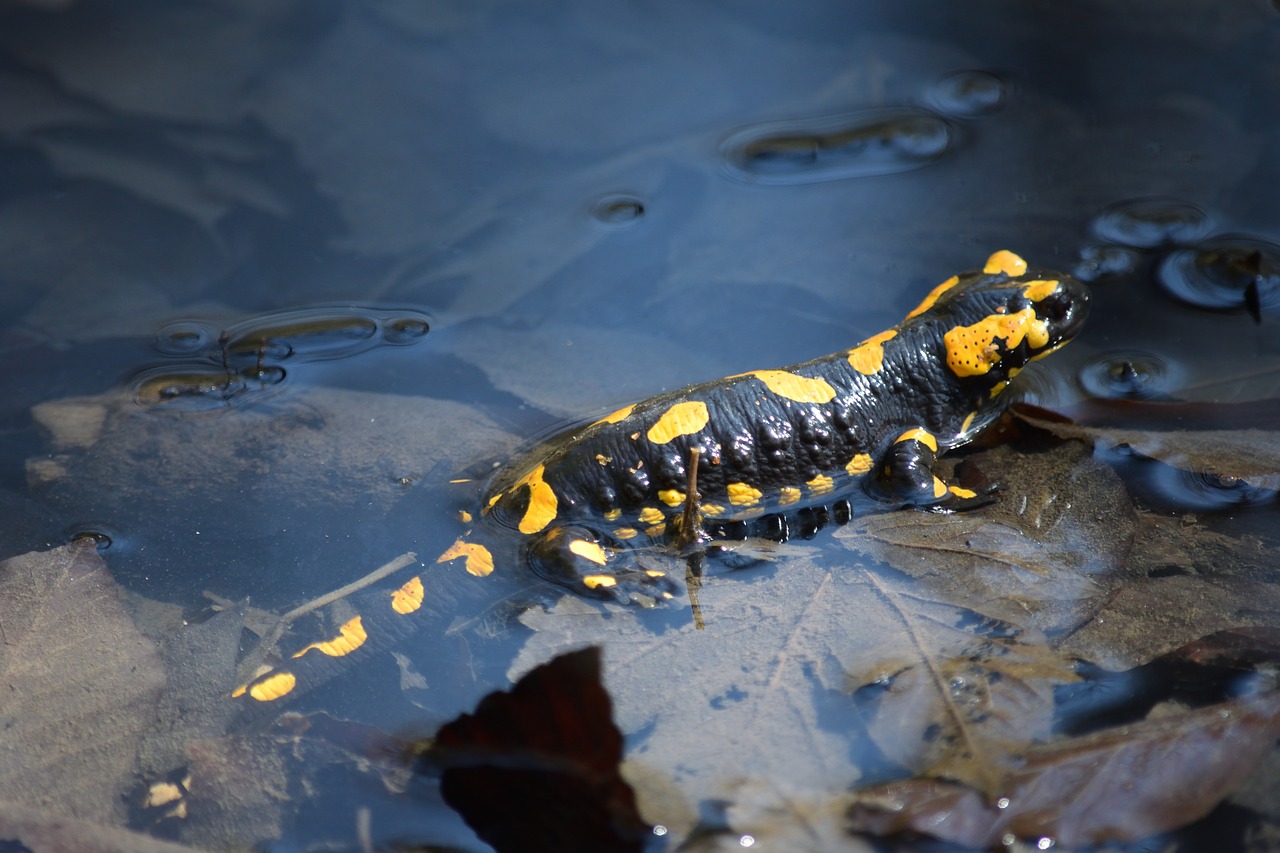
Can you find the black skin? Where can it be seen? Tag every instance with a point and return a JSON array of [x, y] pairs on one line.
[[756, 437]]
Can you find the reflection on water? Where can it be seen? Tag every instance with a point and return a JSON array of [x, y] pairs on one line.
[[571, 206]]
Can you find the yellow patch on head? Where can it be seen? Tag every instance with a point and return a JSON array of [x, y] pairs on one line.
[[971, 350], [939, 488], [962, 492], [650, 515], [868, 357], [407, 598], [741, 494], [934, 296], [626, 532], [801, 389], [671, 497], [272, 687], [921, 435], [1040, 289], [599, 581], [479, 559], [620, 415], [543, 503], [351, 636], [821, 484], [681, 419], [859, 464], [589, 551], [1006, 262]]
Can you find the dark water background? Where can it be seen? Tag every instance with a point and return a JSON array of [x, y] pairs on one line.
[[588, 203]]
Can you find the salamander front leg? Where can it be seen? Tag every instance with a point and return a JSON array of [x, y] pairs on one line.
[[906, 477], [582, 560]]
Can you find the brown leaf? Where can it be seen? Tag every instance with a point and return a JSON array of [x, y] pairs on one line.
[[549, 752], [79, 683], [1227, 452], [1118, 785], [1047, 553]]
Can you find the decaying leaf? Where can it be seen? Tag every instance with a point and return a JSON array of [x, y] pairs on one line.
[[1116, 785], [548, 751], [1047, 553], [1228, 452], [80, 685], [23, 828]]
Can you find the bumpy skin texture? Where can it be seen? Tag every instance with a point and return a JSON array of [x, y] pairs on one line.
[[777, 441], [776, 446]]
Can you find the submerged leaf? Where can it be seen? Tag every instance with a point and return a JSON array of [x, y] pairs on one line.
[[81, 684], [1117, 785]]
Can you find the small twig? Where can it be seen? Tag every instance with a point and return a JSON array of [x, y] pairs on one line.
[[691, 532]]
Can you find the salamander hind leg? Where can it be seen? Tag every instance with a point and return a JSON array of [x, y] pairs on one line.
[[589, 563], [906, 477]]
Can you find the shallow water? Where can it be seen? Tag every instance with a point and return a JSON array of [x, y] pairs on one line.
[[273, 274]]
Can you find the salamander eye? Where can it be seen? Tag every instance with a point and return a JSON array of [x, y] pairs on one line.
[[1055, 307]]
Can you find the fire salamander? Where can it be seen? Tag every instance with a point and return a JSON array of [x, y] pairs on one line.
[[771, 444], [778, 442]]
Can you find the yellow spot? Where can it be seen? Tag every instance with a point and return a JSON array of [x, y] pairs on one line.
[[961, 492], [351, 636], [801, 389], [620, 415], [655, 531], [598, 581], [161, 794], [493, 500], [821, 484], [1037, 290], [407, 598], [272, 687], [613, 514], [654, 573], [968, 422], [1006, 262], [788, 495], [859, 464], [681, 419], [542, 502], [479, 560], [589, 551], [671, 497], [934, 296], [464, 516], [921, 435], [740, 494], [868, 357], [711, 509], [463, 480], [939, 488], [626, 532], [997, 388], [602, 459], [651, 515], [971, 350]]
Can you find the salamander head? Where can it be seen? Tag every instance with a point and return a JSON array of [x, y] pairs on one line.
[[995, 321]]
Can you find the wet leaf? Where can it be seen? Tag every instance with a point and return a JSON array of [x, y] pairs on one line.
[[80, 684], [1047, 553], [548, 751], [1117, 785], [767, 683], [23, 828], [1227, 452]]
